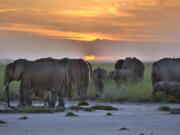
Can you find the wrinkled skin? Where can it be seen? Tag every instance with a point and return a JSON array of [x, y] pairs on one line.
[[135, 65], [121, 76], [100, 77], [36, 76], [119, 64], [167, 70]]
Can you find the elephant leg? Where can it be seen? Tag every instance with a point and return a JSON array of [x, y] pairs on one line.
[[53, 98], [154, 98], [27, 92], [70, 91], [21, 96], [45, 98], [82, 92], [61, 98], [97, 91], [164, 96]]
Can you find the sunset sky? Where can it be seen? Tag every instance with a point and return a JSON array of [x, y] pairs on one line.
[[106, 29]]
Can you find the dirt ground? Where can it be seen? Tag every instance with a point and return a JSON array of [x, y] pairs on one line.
[[139, 119]]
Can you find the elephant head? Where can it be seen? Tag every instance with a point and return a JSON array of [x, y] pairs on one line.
[[13, 71]]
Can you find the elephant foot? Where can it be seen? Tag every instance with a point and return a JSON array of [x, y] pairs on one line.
[[52, 105], [21, 105], [62, 104], [163, 102], [97, 95]]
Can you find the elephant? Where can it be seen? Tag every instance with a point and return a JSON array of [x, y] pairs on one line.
[[167, 70], [159, 86], [173, 89], [12, 74], [35, 76], [119, 64], [135, 65], [121, 76], [100, 77], [77, 73]]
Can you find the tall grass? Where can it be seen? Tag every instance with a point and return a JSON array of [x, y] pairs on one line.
[[131, 91]]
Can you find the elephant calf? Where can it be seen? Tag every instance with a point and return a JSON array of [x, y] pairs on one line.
[[159, 86], [173, 89], [122, 75], [100, 76], [167, 88]]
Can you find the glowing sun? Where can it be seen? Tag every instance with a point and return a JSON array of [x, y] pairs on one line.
[[90, 57]]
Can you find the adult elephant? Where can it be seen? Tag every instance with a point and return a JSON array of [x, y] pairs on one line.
[[12, 74], [36, 76], [100, 77], [77, 73], [134, 65], [119, 64], [167, 70]]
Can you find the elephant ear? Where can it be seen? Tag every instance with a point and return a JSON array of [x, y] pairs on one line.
[[18, 70]]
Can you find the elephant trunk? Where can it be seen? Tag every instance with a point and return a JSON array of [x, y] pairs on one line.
[[6, 87]]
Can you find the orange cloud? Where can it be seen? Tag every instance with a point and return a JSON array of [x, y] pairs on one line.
[[137, 20], [55, 33]]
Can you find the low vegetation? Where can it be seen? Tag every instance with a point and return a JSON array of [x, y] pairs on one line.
[[108, 114], [71, 114], [92, 108], [170, 110], [102, 107], [32, 109], [2, 122], [83, 104], [23, 118], [164, 108]]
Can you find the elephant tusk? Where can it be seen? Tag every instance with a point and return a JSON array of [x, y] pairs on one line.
[[5, 86]]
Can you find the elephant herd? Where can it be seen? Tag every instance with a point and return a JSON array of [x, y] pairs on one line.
[[130, 69], [165, 75], [57, 76], [48, 75]]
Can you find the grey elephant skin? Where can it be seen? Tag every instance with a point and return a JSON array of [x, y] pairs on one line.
[[36, 76], [168, 88], [133, 64], [167, 70], [100, 77], [121, 76], [78, 73], [173, 89], [119, 64]]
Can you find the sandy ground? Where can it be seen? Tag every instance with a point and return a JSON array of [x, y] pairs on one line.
[[140, 119]]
